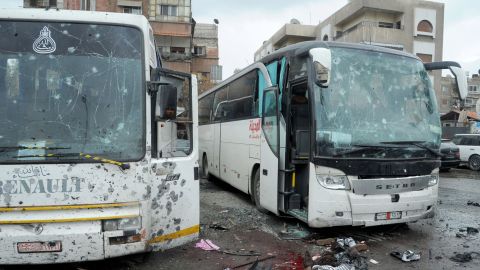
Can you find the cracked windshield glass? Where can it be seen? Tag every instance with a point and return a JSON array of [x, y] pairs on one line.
[[376, 99], [79, 92]]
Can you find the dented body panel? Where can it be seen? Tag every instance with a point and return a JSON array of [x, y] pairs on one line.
[[56, 209]]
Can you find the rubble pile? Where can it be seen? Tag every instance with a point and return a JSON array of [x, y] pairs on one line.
[[338, 254]]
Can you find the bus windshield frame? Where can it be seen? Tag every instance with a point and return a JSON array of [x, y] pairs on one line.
[[71, 88], [378, 105]]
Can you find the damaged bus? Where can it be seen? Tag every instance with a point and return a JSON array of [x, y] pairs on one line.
[[98, 142], [334, 134]]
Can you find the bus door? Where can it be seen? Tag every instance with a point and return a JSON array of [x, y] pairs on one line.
[[269, 150]]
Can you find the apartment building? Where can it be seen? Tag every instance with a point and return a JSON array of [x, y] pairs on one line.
[[206, 56], [185, 46], [414, 26]]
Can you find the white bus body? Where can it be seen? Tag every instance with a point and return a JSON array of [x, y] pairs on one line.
[[300, 133], [89, 169]]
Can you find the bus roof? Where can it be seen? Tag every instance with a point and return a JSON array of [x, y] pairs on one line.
[[61, 15], [305, 46]]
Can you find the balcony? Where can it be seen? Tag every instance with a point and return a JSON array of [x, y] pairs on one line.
[[373, 32]]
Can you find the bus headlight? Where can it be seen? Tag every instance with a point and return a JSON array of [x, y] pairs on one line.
[[123, 224], [339, 182], [433, 180]]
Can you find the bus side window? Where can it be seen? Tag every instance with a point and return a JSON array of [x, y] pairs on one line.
[[221, 97], [205, 109], [240, 96]]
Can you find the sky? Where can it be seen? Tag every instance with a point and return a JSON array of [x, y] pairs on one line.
[[244, 25]]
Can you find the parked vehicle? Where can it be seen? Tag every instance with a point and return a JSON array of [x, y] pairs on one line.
[[314, 131], [469, 145], [98, 143], [451, 155]]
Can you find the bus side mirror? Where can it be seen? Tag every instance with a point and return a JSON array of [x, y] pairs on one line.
[[166, 103], [461, 79], [322, 65], [456, 69]]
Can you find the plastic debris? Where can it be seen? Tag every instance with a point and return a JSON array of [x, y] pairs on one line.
[[207, 245], [346, 242], [464, 257], [471, 230], [472, 203], [373, 261], [406, 256], [329, 267]]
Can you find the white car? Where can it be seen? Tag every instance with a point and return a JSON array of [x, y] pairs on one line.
[[469, 145]]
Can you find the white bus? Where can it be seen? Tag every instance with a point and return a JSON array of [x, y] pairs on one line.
[[333, 134], [98, 143]]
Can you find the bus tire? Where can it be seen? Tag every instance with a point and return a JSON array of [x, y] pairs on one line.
[[256, 192], [205, 172]]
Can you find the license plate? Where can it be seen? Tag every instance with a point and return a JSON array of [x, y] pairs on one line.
[[34, 247], [388, 215]]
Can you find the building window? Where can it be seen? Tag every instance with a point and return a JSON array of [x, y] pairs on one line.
[[199, 50], [325, 38], [168, 10], [42, 3], [473, 88], [87, 4], [398, 25], [426, 58], [444, 89], [385, 25], [425, 26], [179, 50], [132, 10]]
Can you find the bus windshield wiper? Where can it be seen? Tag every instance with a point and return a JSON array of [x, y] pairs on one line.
[[23, 147], [123, 166], [419, 144], [362, 148]]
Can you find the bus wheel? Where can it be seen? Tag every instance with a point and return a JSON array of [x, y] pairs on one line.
[[256, 192], [474, 162], [205, 172]]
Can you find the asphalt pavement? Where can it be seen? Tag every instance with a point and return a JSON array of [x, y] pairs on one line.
[[230, 221]]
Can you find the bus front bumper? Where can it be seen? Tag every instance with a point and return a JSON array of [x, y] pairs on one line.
[[71, 242], [344, 208]]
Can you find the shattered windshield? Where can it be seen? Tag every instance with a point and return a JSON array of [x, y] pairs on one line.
[[69, 88], [379, 102]]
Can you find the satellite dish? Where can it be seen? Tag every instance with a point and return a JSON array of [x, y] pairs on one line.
[[294, 21]]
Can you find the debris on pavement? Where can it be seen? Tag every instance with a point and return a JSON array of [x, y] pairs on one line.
[[472, 203], [325, 242], [240, 252], [464, 257], [471, 230], [328, 267], [293, 233], [406, 256], [346, 242], [207, 245], [373, 261], [343, 254], [218, 227], [464, 232], [254, 263]]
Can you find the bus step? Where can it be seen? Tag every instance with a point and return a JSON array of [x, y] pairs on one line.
[[301, 214]]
